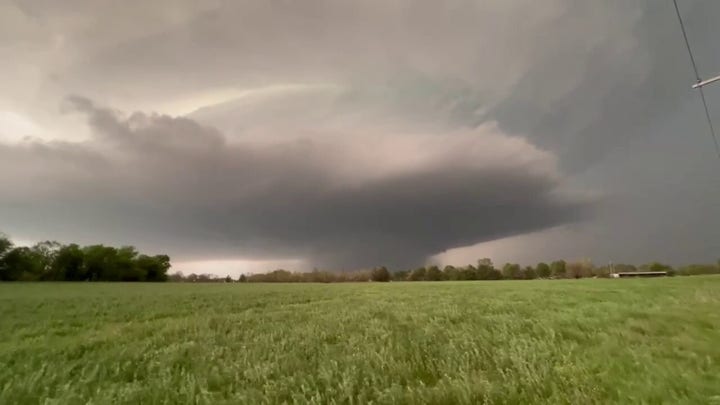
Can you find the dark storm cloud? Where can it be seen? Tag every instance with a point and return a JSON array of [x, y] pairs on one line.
[[627, 83], [578, 78], [353, 130], [483, 49], [335, 199]]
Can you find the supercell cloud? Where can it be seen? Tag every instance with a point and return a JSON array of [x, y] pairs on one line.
[[348, 197], [350, 134]]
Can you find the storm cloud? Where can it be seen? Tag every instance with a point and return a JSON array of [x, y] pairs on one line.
[[355, 198], [349, 134]]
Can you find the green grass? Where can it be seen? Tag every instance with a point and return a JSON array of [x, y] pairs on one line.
[[554, 342]]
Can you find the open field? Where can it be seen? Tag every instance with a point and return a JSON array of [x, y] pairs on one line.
[[565, 341]]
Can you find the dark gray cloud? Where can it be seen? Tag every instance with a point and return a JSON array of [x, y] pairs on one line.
[[333, 199], [349, 132], [627, 82]]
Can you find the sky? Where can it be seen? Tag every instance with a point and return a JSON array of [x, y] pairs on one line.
[[241, 136]]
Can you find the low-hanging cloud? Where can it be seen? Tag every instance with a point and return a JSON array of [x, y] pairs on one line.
[[335, 199], [329, 118]]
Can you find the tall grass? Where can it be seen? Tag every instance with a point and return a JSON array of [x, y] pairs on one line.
[[553, 342]]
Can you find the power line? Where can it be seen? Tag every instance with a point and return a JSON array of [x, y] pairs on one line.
[[687, 43], [698, 80]]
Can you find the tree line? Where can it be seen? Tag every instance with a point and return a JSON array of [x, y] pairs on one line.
[[483, 270], [52, 261]]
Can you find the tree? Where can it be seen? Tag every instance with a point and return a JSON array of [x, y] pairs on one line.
[[433, 273], [5, 244], [21, 264], [579, 269], [45, 253], [602, 272], [468, 272], [68, 264], [242, 278], [698, 269], [153, 268], [655, 266], [99, 263], [543, 270], [380, 274], [401, 275], [558, 269], [624, 268], [450, 273], [51, 261], [495, 274], [486, 270], [127, 267], [417, 274], [529, 273], [317, 276], [277, 276], [512, 271]]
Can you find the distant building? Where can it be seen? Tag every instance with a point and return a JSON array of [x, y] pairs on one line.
[[639, 274]]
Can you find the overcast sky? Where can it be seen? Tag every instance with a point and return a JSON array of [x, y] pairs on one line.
[[243, 135]]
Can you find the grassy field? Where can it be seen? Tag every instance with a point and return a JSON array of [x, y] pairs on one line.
[[516, 342]]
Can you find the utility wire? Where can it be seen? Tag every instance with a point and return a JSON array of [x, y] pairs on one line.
[[698, 80]]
